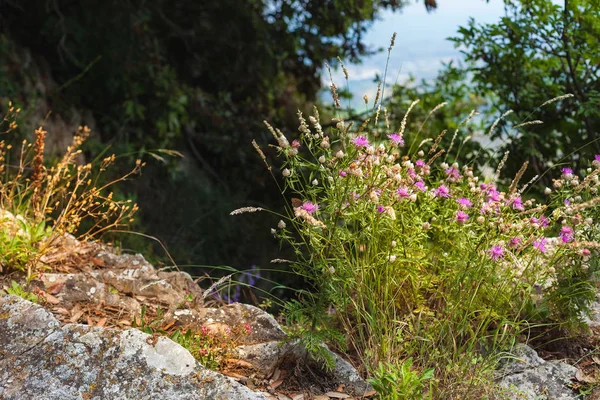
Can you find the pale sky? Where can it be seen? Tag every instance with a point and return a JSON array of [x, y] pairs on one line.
[[421, 44]]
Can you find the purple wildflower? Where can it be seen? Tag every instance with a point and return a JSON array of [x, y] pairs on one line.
[[464, 202], [403, 192], [517, 204], [396, 139], [540, 244], [420, 163], [493, 194], [343, 174], [421, 186], [380, 209], [514, 242], [567, 171], [442, 191], [496, 252], [295, 144], [567, 202], [461, 217], [597, 157], [544, 222], [453, 173], [360, 141], [309, 207], [567, 234]]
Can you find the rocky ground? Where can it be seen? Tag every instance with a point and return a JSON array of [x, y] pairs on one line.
[[80, 341]]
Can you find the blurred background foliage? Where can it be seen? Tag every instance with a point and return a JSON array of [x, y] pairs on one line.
[[199, 77]]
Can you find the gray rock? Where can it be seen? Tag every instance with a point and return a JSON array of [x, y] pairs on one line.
[[39, 359], [530, 377]]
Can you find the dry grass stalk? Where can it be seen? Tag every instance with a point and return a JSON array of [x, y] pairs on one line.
[[403, 123], [437, 142], [501, 165], [513, 186]]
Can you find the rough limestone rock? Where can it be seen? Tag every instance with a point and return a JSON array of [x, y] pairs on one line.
[[39, 359], [531, 377]]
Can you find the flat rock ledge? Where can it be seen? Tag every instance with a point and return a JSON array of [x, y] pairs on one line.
[[530, 377], [40, 359]]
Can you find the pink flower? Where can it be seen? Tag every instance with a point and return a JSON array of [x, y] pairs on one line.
[[309, 207], [453, 173], [585, 252], [380, 209], [396, 139], [493, 194], [342, 174], [442, 191], [420, 163], [517, 204], [597, 157], [403, 192], [514, 242], [461, 217], [360, 141], [205, 330], [421, 186], [464, 202], [567, 171], [248, 328], [496, 253], [540, 244], [567, 234], [295, 144]]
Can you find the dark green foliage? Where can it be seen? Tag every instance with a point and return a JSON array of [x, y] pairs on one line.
[[194, 76], [540, 50]]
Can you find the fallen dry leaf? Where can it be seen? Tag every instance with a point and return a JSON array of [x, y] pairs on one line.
[[240, 363], [582, 377], [51, 299], [337, 395], [56, 288], [101, 322], [76, 314], [370, 393], [276, 384]]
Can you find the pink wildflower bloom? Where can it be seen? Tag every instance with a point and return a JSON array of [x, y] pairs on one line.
[[517, 204], [403, 192], [205, 330], [585, 252], [442, 191], [421, 186], [567, 234], [343, 174], [420, 163], [396, 139], [461, 217], [493, 194], [380, 209], [513, 243], [295, 144], [309, 207], [597, 157], [248, 328], [540, 244], [360, 141], [452, 173], [567, 171], [463, 201], [412, 174], [567, 202], [496, 253], [544, 222]]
